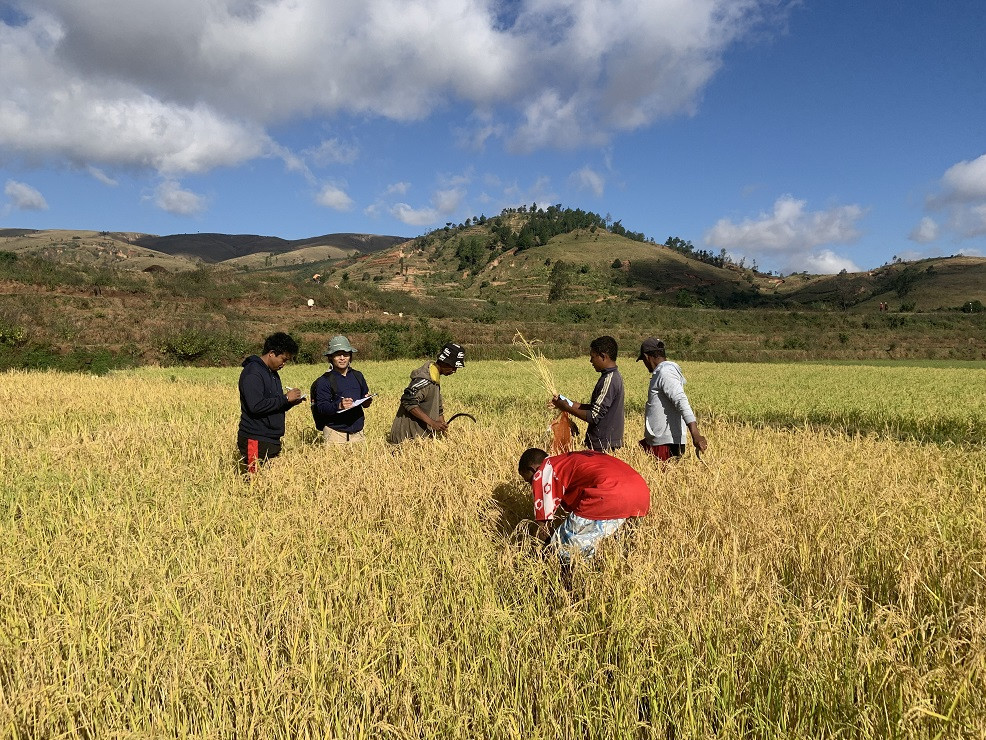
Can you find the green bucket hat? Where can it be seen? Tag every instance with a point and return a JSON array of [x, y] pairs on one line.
[[339, 344]]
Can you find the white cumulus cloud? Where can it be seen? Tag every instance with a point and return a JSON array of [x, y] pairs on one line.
[[334, 197], [827, 262], [790, 233], [925, 232], [475, 135], [588, 179], [969, 222], [98, 174], [23, 197], [187, 86], [966, 181], [962, 198], [445, 204], [333, 151], [398, 188], [171, 197], [414, 216], [55, 107]]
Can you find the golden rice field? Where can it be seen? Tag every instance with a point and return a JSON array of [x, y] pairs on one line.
[[823, 575]]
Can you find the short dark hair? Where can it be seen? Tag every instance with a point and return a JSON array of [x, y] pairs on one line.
[[532, 458], [280, 344], [604, 346]]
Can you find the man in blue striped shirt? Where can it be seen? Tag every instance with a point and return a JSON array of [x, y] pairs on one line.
[[604, 412]]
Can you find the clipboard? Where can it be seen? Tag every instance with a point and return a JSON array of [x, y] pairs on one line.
[[358, 402]]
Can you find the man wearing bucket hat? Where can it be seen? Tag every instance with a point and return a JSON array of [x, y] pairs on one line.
[[421, 412], [667, 413], [339, 396]]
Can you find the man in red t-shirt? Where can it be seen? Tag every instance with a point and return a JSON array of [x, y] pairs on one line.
[[599, 491]]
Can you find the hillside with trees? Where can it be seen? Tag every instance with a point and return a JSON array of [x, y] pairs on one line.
[[94, 301]]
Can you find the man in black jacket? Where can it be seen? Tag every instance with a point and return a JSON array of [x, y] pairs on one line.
[[263, 402]]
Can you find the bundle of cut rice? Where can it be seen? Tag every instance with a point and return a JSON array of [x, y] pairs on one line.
[[561, 427]]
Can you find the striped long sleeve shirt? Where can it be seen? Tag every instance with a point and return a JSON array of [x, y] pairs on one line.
[[605, 430]]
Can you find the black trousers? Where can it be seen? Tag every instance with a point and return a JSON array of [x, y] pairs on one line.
[[255, 451]]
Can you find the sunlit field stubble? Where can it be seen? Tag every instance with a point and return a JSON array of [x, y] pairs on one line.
[[820, 574]]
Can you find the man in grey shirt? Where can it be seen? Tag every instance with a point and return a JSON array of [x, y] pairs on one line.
[[667, 412]]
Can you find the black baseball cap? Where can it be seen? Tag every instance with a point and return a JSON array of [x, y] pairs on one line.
[[453, 355], [650, 346]]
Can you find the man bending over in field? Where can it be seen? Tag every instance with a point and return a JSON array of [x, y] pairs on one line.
[[599, 492], [421, 413], [263, 402]]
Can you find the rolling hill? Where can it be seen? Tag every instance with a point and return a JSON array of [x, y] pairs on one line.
[[84, 299], [178, 252], [92, 248], [475, 261], [215, 248], [595, 265]]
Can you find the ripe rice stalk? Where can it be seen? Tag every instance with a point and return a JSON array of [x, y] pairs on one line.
[[540, 367], [561, 426], [826, 582]]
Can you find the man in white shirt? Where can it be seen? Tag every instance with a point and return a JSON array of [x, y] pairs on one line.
[[668, 412]]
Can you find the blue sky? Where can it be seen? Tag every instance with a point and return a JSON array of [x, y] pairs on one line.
[[801, 135]]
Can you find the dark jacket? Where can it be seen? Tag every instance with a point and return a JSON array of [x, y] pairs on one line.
[[327, 393], [423, 391], [262, 401]]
